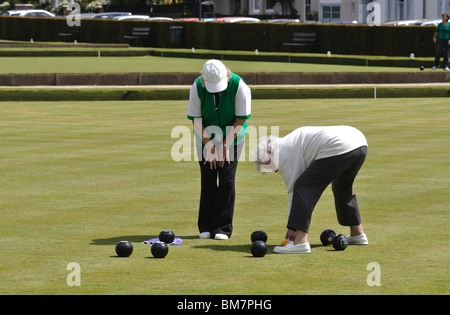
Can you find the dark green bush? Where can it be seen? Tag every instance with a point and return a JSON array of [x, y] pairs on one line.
[[339, 39]]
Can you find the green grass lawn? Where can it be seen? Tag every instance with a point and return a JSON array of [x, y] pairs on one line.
[[77, 177], [162, 64]]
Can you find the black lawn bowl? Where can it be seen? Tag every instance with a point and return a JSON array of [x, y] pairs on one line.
[[166, 236], [159, 250], [327, 237], [259, 236], [258, 249], [340, 242], [124, 249]]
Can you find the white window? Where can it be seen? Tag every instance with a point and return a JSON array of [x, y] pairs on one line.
[[331, 13], [270, 9], [255, 7]]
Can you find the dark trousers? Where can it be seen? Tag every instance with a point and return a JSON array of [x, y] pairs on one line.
[[217, 197], [442, 50], [339, 170]]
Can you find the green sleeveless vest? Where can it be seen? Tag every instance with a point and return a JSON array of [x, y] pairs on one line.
[[224, 115]]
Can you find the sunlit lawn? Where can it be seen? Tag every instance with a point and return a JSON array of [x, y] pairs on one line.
[[162, 64], [77, 177]]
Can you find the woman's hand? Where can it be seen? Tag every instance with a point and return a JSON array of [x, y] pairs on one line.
[[290, 235], [211, 155], [225, 154]]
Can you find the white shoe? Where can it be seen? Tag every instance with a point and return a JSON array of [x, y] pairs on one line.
[[446, 69], [434, 68], [220, 237], [205, 235], [290, 248], [358, 240]]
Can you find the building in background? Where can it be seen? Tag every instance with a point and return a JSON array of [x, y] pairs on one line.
[[395, 10], [324, 11], [333, 11]]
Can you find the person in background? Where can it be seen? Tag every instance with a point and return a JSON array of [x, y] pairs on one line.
[[442, 40]]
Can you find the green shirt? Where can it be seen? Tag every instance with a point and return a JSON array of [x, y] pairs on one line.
[[443, 31], [225, 114]]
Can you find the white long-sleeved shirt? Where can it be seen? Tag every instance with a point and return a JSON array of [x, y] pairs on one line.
[[299, 149]]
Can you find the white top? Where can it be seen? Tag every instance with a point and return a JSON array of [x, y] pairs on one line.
[[243, 101], [299, 149]]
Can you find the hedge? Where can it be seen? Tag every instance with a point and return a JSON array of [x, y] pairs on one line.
[[118, 94], [251, 78], [339, 39]]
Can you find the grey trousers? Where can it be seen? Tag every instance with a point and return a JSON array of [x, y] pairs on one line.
[[340, 171]]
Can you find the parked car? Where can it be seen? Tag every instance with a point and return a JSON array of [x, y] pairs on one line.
[[28, 13], [345, 22], [131, 17], [411, 22], [12, 12], [222, 18], [161, 18], [431, 22], [110, 15], [87, 15], [187, 19], [404, 22], [238, 19], [282, 21]]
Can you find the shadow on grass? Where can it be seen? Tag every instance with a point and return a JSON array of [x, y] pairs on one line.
[[226, 248], [240, 248], [132, 239]]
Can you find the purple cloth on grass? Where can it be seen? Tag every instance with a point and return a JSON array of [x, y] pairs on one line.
[[176, 241]]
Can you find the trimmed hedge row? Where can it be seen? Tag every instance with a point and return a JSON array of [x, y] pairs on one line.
[[101, 94], [261, 78], [339, 39]]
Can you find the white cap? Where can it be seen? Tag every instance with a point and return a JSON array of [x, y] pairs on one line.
[[215, 76]]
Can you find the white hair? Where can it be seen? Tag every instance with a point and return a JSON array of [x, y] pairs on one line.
[[265, 151]]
